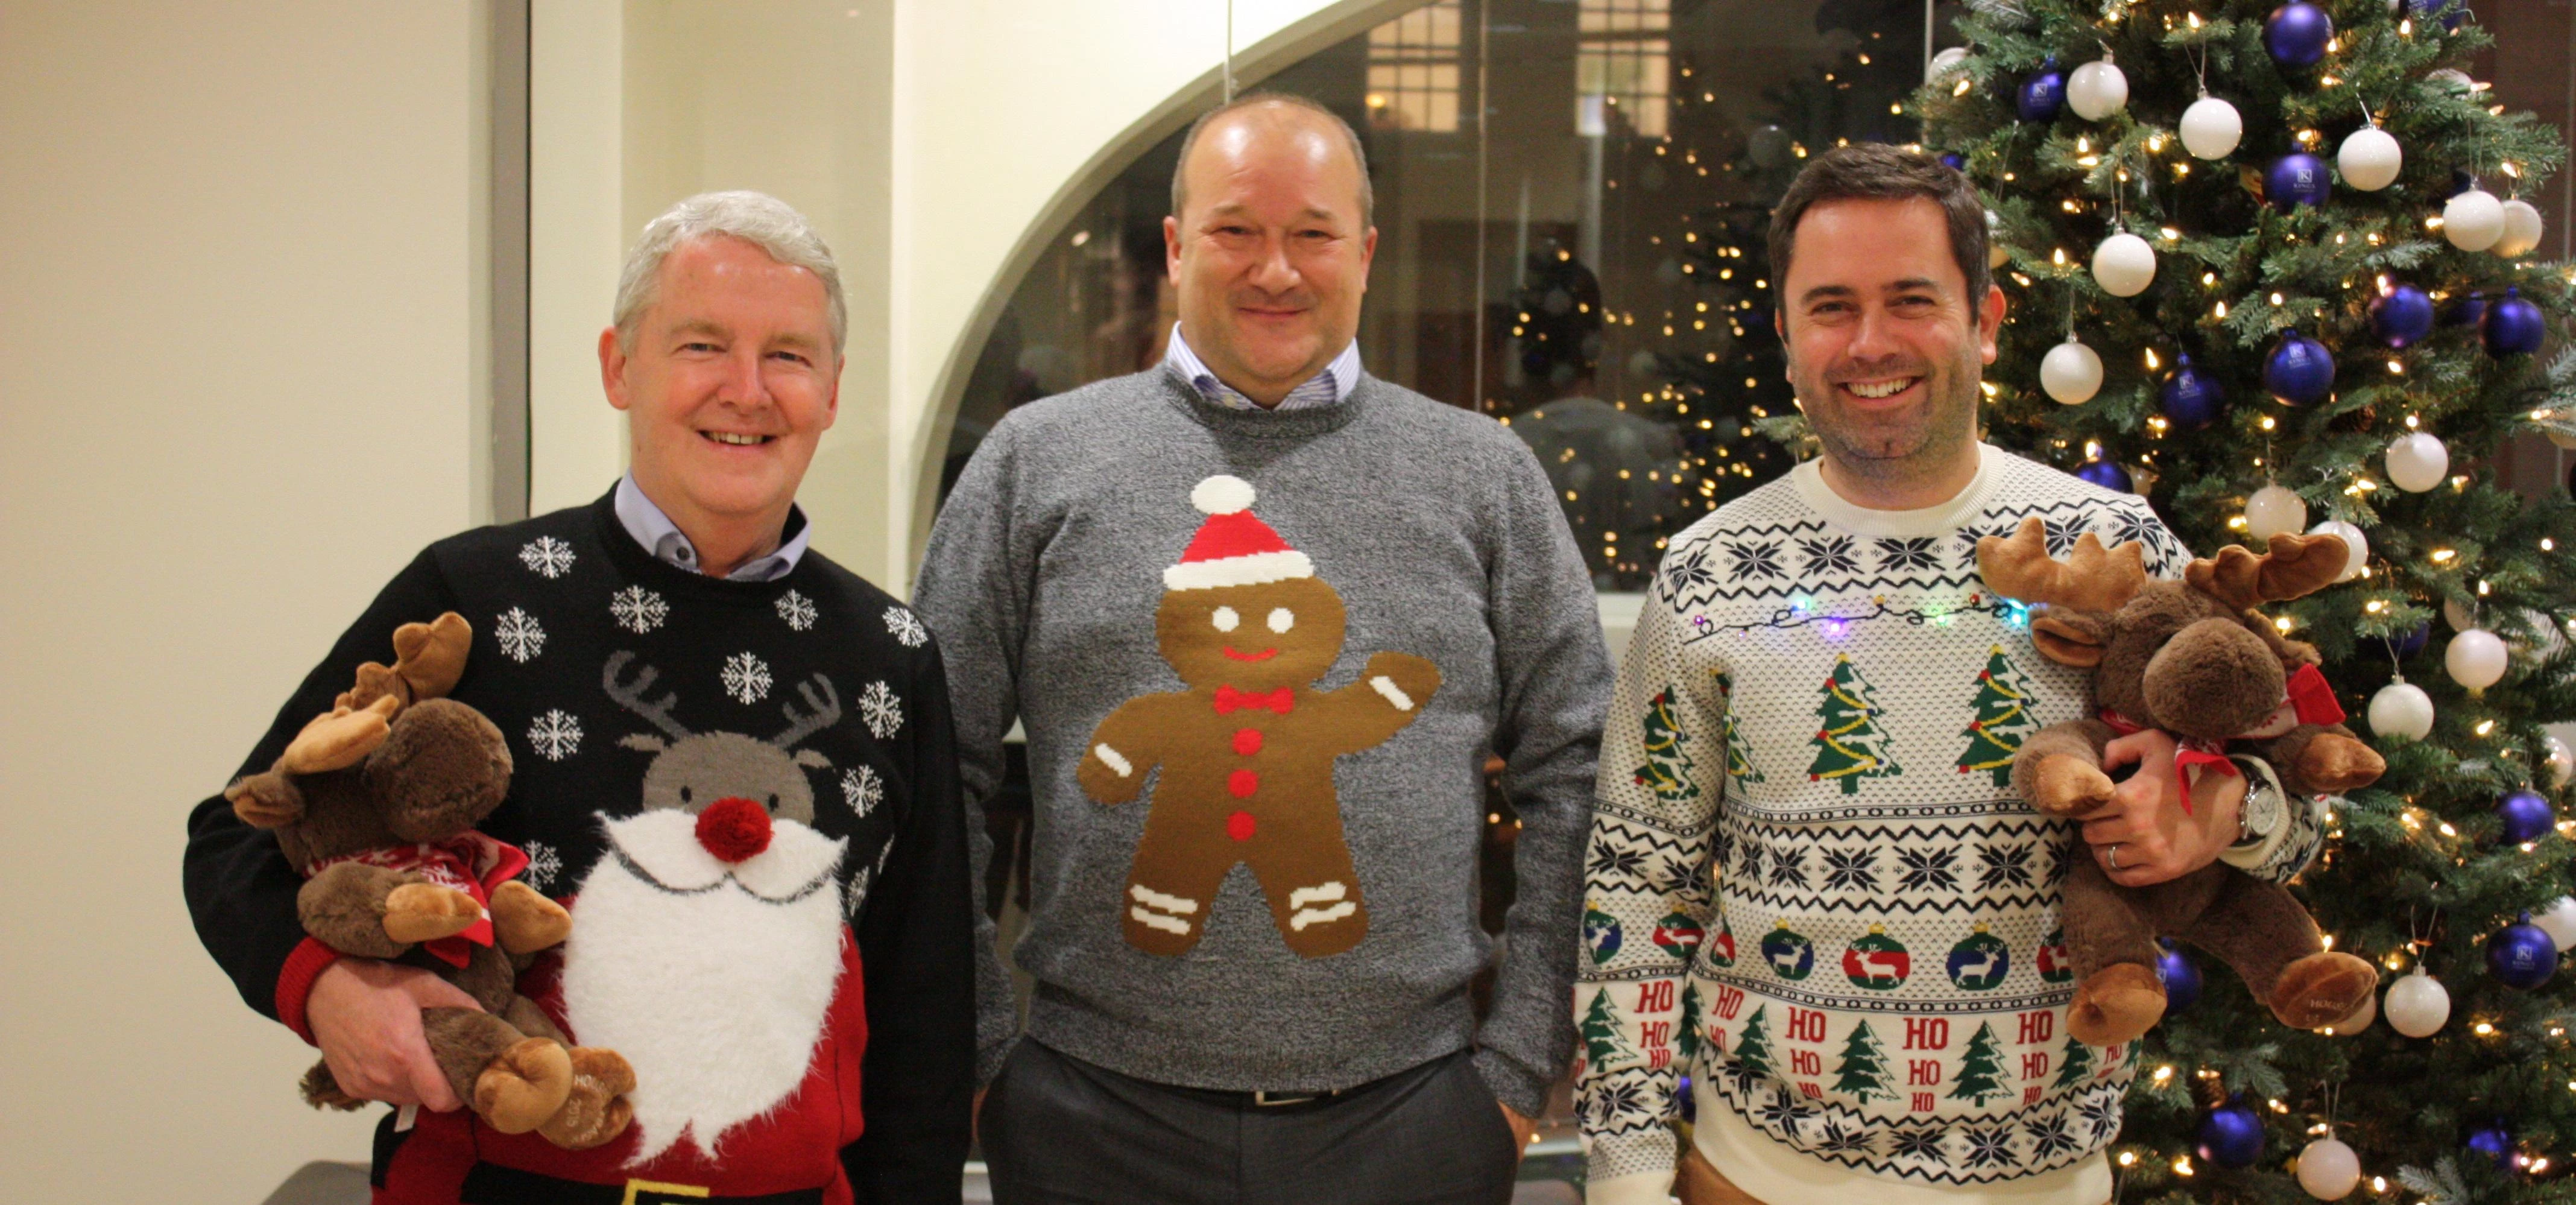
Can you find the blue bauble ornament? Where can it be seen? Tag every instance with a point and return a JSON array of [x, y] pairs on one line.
[[2106, 474], [1955, 161], [2521, 956], [2232, 1135], [2191, 397], [2467, 311], [2296, 179], [2512, 326], [2300, 370], [2449, 12], [2526, 816], [2297, 33], [2043, 94], [2407, 644], [2180, 975], [2401, 316], [2495, 1142]]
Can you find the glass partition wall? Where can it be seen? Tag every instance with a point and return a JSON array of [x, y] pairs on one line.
[[1571, 202]]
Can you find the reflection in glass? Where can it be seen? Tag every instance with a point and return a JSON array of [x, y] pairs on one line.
[[1601, 283]]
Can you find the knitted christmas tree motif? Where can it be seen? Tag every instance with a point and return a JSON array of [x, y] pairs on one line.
[[1667, 771], [1980, 1068], [1753, 1049], [1687, 1042], [1791, 954], [1862, 1070], [1980, 960], [2002, 721], [1849, 745], [2076, 1064], [1876, 961], [1601, 934], [1678, 935], [1602, 1044], [1739, 752]]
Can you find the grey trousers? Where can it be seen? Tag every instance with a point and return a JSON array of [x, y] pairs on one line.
[[1060, 1131]]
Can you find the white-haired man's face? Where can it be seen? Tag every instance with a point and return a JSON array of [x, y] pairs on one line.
[[730, 384]]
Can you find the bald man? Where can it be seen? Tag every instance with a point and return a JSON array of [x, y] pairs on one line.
[[1264, 617]]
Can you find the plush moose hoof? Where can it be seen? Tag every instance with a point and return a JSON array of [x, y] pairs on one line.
[[523, 1086], [2333, 763], [526, 921], [416, 912], [2068, 786], [2116, 1004], [597, 1110], [2322, 989]]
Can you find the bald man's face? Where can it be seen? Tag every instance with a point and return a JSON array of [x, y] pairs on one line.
[[1270, 256]]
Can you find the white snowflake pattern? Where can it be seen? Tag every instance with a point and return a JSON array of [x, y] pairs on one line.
[[521, 637], [863, 789], [547, 557], [555, 735], [856, 892], [906, 628], [745, 678], [882, 711], [543, 864], [797, 610], [638, 610]]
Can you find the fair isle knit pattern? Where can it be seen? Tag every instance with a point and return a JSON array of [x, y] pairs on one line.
[[1808, 871]]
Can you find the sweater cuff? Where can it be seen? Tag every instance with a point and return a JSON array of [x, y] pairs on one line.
[[989, 1060], [295, 982], [1637, 1188], [1518, 1088]]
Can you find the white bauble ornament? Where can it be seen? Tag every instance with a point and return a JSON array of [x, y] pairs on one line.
[[2417, 1004], [2097, 90], [2328, 1169], [2559, 922], [2401, 708], [1943, 62], [2359, 1020], [2356, 546], [2564, 441], [2473, 220], [2451, 79], [2521, 230], [2475, 658], [2211, 128], [2417, 462], [2460, 618], [2071, 373], [2274, 511], [2369, 159], [2560, 760], [2124, 265], [1996, 255]]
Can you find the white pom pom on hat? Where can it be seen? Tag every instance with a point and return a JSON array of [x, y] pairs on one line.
[[1222, 495]]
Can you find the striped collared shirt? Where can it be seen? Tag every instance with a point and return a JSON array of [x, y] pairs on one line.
[[1326, 388], [669, 545]]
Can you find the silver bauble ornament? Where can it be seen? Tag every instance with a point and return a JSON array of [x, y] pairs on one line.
[[2273, 511], [2475, 658], [2559, 760], [2097, 89], [2417, 1005], [2558, 921], [2071, 373], [2417, 462], [2401, 708], [1943, 63], [2521, 230], [2359, 1020], [2370, 159], [2124, 265], [2356, 546], [2211, 128], [2473, 220]]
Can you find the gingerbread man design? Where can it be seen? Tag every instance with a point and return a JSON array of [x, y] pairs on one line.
[[1247, 750]]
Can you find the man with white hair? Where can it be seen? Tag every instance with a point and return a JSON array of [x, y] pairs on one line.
[[734, 754]]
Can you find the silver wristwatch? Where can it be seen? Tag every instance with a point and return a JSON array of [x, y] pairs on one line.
[[2262, 813]]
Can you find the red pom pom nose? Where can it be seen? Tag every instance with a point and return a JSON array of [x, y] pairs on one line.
[[734, 829]]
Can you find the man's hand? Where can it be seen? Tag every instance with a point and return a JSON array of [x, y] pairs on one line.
[[2143, 836], [1522, 1129], [365, 1015]]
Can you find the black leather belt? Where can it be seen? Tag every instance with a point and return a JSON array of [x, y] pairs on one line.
[[491, 1184]]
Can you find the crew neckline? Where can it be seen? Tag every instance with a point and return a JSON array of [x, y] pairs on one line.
[[1947, 515]]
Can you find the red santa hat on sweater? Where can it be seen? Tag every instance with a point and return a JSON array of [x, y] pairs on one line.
[[1233, 548]]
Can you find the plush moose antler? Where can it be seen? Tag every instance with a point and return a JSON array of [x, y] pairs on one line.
[[2294, 566], [2092, 578], [428, 659]]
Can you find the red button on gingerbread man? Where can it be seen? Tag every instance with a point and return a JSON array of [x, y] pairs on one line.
[[1247, 750]]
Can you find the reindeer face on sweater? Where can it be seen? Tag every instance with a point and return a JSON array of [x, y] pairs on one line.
[[693, 770]]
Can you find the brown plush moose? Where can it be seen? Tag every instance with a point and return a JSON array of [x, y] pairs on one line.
[[2193, 659], [376, 802]]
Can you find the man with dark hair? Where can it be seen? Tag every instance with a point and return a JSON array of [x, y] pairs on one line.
[[1264, 618], [1809, 874]]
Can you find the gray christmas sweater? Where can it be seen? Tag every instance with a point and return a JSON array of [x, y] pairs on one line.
[[1810, 885], [1261, 659]]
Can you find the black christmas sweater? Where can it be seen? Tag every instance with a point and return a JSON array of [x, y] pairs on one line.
[[569, 613]]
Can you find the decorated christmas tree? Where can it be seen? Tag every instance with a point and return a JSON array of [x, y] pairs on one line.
[[1667, 771], [1849, 745], [2002, 719], [1739, 752], [2269, 265]]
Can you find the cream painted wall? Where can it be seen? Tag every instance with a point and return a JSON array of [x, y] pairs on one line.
[[240, 356]]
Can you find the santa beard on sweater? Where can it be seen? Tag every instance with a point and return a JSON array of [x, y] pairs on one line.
[[710, 978]]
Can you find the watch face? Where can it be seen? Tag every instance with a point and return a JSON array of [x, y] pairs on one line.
[[2263, 811]]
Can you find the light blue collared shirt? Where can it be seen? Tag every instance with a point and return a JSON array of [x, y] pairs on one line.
[[669, 545], [1326, 388]]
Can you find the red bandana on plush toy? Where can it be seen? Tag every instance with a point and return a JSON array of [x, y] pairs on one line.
[[2306, 700], [472, 863]]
